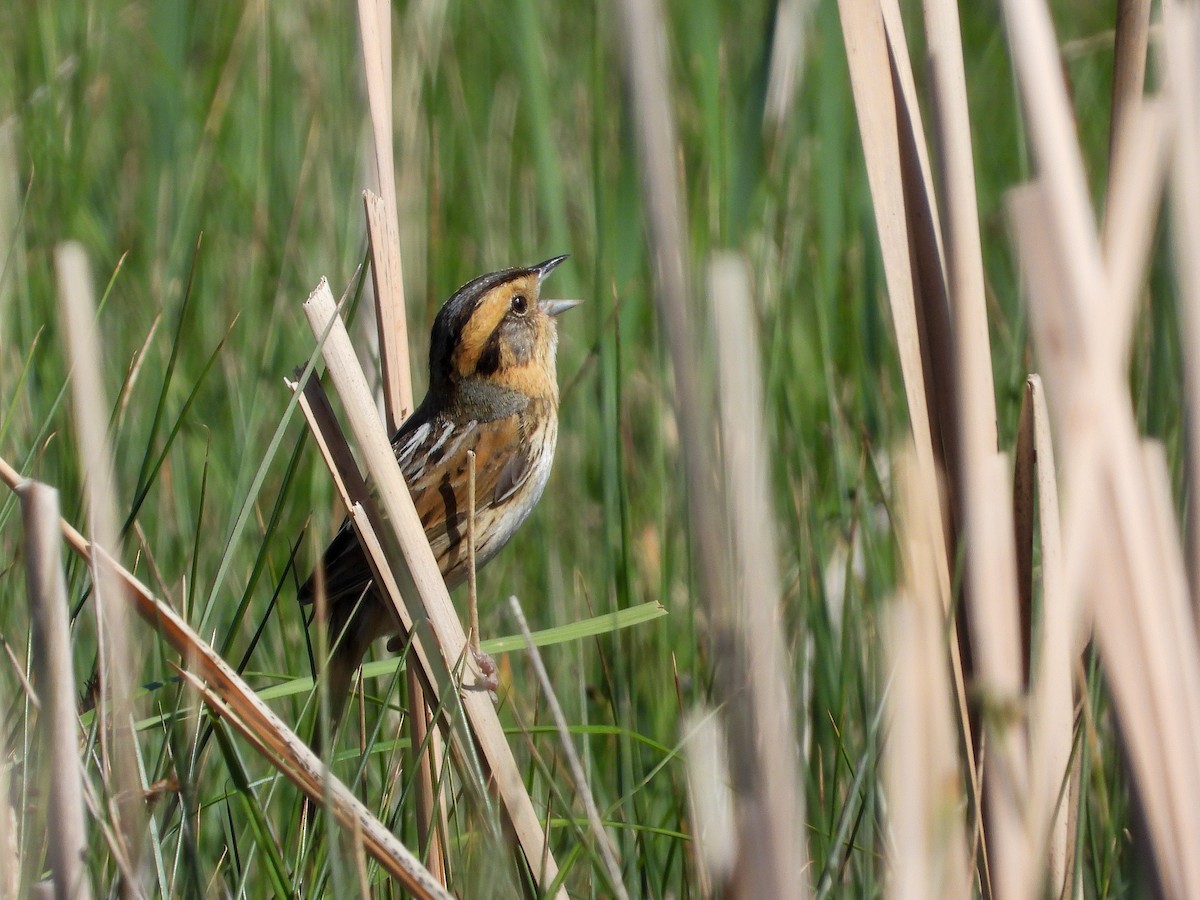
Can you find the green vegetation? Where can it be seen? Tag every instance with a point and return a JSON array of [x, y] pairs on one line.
[[211, 158]]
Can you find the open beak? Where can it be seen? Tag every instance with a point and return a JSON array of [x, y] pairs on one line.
[[545, 268], [557, 307], [552, 307]]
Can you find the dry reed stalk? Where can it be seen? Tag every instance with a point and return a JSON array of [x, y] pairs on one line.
[[1129, 72], [1056, 152], [608, 852], [1053, 656], [923, 775], [222, 687], [927, 264], [115, 706], [1153, 672], [960, 221], [55, 680], [383, 221], [1155, 691], [875, 104], [986, 535], [999, 675], [1182, 44], [1165, 540], [356, 499], [472, 584], [314, 403], [387, 272], [432, 815], [1136, 183], [291, 756], [375, 35], [420, 578], [787, 60], [757, 593], [771, 850], [387, 275], [880, 88], [1023, 502], [710, 800]]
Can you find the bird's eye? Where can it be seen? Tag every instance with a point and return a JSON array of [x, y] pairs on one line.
[[520, 304]]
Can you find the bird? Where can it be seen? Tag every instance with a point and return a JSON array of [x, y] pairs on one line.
[[493, 389]]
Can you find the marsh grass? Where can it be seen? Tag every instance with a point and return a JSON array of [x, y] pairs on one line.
[[211, 158]]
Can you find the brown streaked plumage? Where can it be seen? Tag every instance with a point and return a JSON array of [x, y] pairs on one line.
[[492, 389]]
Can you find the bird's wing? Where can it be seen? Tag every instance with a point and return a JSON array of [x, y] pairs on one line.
[[347, 573], [438, 477], [432, 454]]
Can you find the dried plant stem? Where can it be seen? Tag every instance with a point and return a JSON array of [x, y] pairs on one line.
[[1139, 613], [710, 799], [874, 38], [1182, 42], [1051, 729], [1136, 183], [1137, 617], [77, 310], [1129, 70], [756, 592], [230, 696], [922, 771], [311, 777], [387, 272], [472, 586], [388, 278], [55, 681]]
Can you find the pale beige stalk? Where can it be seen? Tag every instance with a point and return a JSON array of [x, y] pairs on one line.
[[55, 681], [119, 749]]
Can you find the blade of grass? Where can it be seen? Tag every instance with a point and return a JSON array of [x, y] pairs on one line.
[[582, 789], [277, 873], [145, 475]]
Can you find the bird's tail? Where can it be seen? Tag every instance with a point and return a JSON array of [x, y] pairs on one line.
[[353, 625]]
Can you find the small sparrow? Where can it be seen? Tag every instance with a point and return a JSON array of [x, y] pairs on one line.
[[492, 389]]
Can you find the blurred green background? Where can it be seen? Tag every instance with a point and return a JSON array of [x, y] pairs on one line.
[[137, 127]]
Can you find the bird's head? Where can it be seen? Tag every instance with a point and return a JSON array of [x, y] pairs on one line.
[[498, 330]]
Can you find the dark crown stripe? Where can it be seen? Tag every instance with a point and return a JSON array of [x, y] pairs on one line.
[[453, 318]]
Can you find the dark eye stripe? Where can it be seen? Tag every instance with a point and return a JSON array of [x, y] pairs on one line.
[[489, 358]]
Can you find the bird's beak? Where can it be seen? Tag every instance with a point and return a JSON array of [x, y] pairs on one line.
[[545, 268], [557, 307]]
